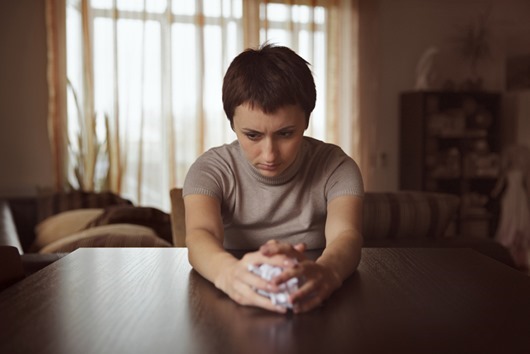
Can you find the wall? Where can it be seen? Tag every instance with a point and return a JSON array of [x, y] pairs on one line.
[[406, 29], [516, 105], [25, 158]]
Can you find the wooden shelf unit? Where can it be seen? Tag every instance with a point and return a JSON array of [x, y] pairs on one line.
[[450, 143]]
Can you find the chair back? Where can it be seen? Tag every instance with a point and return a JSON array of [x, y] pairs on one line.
[[178, 222]]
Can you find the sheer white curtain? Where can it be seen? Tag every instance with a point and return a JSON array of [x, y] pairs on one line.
[[144, 93]]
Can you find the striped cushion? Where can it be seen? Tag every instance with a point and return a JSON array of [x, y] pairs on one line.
[[150, 217], [407, 214]]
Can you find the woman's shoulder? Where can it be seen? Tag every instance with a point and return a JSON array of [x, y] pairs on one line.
[[222, 153], [319, 148], [212, 171], [329, 158], [217, 161], [228, 148], [319, 144]]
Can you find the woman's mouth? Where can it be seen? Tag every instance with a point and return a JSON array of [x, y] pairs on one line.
[[268, 167]]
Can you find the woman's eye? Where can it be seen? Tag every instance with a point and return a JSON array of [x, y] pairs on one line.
[[252, 136], [286, 134]]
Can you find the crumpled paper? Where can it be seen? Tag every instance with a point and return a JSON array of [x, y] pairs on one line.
[[268, 272]]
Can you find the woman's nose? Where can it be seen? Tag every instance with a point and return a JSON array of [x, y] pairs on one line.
[[270, 151]]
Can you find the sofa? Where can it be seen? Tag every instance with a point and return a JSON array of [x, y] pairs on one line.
[[422, 219], [391, 219], [45, 228], [394, 219]]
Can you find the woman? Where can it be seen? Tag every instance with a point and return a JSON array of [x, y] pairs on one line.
[[273, 191]]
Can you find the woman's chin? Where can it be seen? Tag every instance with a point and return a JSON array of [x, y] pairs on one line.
[[269, 172]]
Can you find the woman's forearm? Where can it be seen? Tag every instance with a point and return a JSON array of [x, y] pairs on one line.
[[207, 255], [343, 254]]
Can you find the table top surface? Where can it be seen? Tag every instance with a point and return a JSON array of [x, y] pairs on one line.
[[151, 301]]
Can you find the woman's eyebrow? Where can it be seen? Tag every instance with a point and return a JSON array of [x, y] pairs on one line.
[[289, 127], [248, 130]]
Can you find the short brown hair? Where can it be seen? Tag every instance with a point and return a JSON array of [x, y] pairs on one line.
[[269, 78]]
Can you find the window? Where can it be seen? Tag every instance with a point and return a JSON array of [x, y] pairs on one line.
[[144, 97]]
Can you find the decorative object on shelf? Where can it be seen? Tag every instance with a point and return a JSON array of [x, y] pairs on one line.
[[481, 120], [448, 164], [514, 226], [425, 70], [472, 42], [480, 162], [449, 123]]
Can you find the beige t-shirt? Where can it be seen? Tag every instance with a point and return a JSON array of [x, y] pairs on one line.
[[291, 207]]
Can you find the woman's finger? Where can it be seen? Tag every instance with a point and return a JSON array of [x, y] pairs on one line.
[[300, 247], [246, 295], [277, 260], [272, 248]]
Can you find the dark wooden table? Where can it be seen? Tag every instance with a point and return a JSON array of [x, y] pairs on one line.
[[151, 301]]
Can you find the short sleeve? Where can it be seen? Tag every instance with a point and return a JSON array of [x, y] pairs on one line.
[[345, 178], [210, 174], [201, 179]]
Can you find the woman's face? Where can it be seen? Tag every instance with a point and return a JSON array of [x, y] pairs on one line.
[[270, 142]]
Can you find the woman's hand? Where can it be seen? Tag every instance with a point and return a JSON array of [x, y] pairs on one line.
[[318, 281], [318, 284], [240, 284]]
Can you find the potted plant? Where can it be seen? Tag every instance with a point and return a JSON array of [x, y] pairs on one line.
[[473, 44]]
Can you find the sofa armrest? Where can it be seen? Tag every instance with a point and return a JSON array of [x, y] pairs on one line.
[[8, 230], [24, 214], [33, 262]]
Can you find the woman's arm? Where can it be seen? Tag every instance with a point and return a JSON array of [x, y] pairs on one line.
[[204, 239], [204, 235], [343, 236]]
